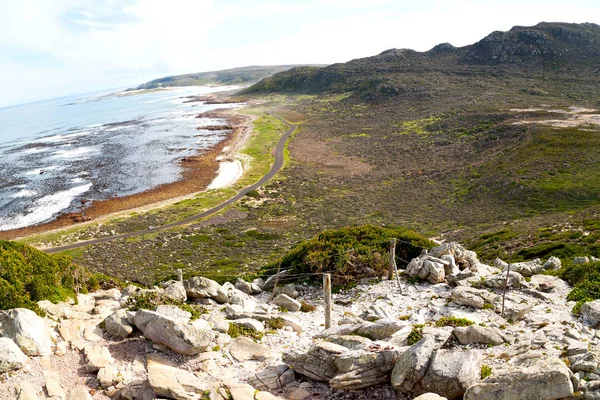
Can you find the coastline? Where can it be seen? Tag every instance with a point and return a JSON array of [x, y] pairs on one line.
[[198, 173]]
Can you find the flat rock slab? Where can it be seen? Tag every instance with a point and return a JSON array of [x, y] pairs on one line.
[[97, 357], [11, 356], [245, 349], [172, 382]]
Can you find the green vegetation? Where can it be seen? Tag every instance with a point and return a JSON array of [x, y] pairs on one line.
[[307, 307], [453, 321], [237, 330], [486, 371], [275, 323], [350, 253], [416, 334], [151, 300], [28, 275]]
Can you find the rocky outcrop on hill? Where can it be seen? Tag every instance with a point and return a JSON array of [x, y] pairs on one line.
[[450, 339]]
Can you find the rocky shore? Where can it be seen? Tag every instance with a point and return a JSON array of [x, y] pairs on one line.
[[197, 174], [450, 334]]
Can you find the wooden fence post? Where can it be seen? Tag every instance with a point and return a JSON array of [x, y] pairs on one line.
[[327, 297], [180, 275]]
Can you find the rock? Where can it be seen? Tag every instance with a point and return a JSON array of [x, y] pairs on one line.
[[477, 334], [174, 312], [113, 294], [118, 325], [498, 263], [580, 260], [450, 268], [352, 342], [174, 290], [218, 323], [97, 357], [359, 369], [108, 376], [436, 271], [412, 365], [61, 349], [515, 280], [243, 286], [591, 312], [273, 377], [11, 356], [464, 258], [451, 372], [259, 282], [553, 263], [54, 389], [251, 324], [27, 330], [472, 297], [318, 363], [71, 329], [178, 336], [289, 290], [515, 311], [201, 287], [292, 322], [527, 268], [240, 391], [543, 379], [171, 382], [286, 302], [245, 301], [79, 393], [25, 391], [381, 329], [106, 307], [430, 396], [93, 333], [243, 349], [270, 282]]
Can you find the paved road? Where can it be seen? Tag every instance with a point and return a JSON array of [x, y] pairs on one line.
[[275, 168]]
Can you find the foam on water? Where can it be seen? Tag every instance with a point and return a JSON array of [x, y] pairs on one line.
[[43, 209]]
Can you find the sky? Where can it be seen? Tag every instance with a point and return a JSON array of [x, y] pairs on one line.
[[53, 48]]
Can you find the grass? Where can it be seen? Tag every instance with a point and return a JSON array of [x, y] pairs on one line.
[[453, 321], [151, 300], [237, 330]]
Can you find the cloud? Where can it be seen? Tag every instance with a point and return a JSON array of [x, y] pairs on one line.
[[52, 48]]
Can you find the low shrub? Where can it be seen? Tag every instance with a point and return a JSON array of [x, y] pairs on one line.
[[453, 321], [350, 253], [28, 275], [307, 307], [416, 334], [237, 330]]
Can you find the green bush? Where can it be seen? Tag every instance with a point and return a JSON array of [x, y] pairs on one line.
[[585, 279], [350, 253], [416, 334], [453, 321], [28, 275]]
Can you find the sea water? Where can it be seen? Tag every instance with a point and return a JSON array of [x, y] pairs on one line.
[[57, 152]]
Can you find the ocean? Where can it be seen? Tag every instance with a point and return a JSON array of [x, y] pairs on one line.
[[55, 153]]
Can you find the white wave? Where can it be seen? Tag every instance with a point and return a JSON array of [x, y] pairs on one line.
[[35, 150], [43, 209], [24, 193], [77, 180], [75, 153], [62, 138], [38, 171]]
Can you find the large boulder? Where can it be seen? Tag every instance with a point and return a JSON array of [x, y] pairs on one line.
[[179, 336], [117, 324], [245, 349], [360, 369], [318, 363], [174, 290], [200, 287], [526, 268], [553, 263], [469, 296], [477, 334], [412, 364], [285, 301], [27, 330], [451, 372], [540, 379], [463, 257], [515, 280], [11, 356]]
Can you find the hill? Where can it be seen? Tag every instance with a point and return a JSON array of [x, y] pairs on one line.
[[234, 76], [499, 153]]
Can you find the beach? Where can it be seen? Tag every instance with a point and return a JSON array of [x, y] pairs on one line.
[[212, 168]]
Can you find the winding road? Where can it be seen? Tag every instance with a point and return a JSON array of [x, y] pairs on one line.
[[275, 168]]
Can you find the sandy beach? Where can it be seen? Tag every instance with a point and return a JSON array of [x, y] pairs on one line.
[[214, 168]]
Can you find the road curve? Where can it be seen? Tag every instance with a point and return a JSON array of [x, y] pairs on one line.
[[275, 168]]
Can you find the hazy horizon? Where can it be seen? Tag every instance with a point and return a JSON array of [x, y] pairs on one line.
[[54, 49]]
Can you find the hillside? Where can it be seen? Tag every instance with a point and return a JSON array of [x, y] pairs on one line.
[[234, 76], [500, 156]]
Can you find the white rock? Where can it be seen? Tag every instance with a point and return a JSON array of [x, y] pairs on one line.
[[11, 356], [27, 330]]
